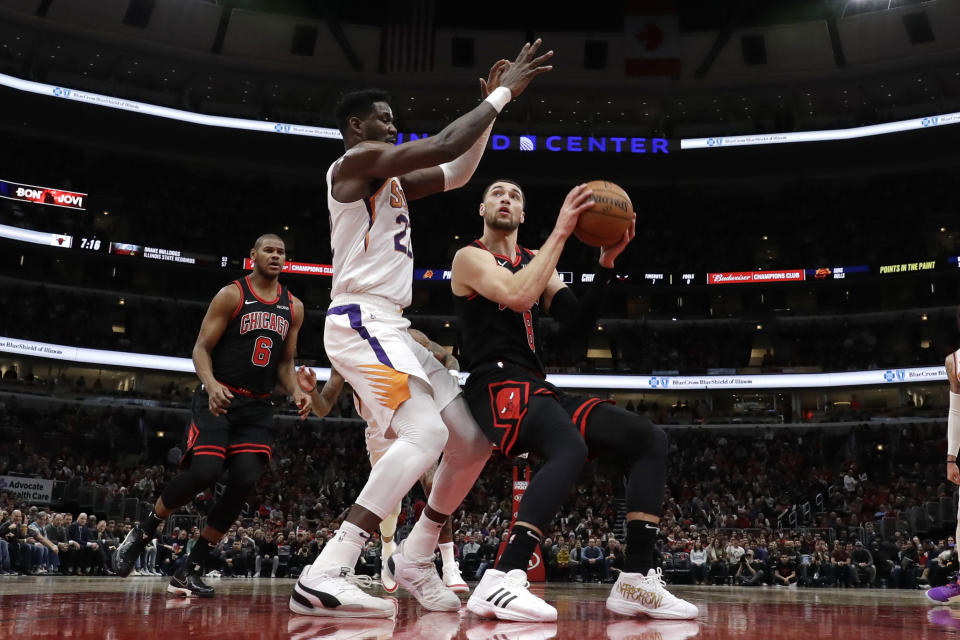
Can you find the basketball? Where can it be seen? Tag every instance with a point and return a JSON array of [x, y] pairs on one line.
[[605, 222]]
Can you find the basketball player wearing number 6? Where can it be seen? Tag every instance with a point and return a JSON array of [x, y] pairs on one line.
[[499, 290], [246, 346], [366, 339]]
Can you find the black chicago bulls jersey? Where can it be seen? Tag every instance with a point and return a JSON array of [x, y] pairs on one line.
[[245, 359], [492, 332]]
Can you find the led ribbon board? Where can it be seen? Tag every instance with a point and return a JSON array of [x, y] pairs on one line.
[[522, 143], [31, 348]]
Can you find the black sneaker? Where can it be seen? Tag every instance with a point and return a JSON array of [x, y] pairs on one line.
[[125, 558], [188, 583]]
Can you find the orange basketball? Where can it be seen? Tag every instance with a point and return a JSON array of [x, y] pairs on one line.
[[604, 223]]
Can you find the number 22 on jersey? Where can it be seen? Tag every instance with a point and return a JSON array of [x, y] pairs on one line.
[[401, 239]]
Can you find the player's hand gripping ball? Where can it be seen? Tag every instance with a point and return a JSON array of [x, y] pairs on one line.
[[604, 223]]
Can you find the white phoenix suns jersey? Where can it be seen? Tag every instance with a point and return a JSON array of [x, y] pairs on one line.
[[370, 240]]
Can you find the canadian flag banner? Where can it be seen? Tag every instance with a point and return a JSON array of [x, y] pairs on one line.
[[652, 38]]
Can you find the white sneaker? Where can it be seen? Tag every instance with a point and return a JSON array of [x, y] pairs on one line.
[[505, 596], [135, 572], [635, 594], [336, 592], [389, 584], [512, 631], [453, 580], [661, 629], [422, 581]]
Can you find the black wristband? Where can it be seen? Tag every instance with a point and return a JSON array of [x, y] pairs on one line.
[[953, 461]]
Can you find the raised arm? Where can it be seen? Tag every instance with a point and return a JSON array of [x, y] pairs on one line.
[[369, 161], [477, 271], [456, 173], [221, 309]]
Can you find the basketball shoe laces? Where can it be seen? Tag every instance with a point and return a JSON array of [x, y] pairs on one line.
[[355, 580], [655, 582]]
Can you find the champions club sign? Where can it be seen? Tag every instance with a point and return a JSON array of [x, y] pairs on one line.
[[42, 195], [746, 277], [569, 144]]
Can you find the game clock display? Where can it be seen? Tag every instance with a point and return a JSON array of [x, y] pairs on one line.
[[91, 244]]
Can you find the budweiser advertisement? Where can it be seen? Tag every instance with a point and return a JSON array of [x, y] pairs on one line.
[[747, 277], [305, 268], [42, 195]]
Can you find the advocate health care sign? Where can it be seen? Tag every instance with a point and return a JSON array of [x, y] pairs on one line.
[[35, 490]]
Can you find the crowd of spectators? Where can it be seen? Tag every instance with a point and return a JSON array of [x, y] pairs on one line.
[[729, 507]]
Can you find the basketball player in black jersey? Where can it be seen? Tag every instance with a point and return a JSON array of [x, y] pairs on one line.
[[245, 348], [499, 290]]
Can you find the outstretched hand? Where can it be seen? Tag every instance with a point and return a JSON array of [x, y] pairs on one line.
[[493, 80], [525, 68]]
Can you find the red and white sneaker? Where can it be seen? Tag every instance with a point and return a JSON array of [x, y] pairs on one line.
[[453, 580], [386, 578]]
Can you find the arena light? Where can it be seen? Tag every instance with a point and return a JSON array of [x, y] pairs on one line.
[[266, 126], [34, 349], [821, 136], [567, 381], [36, 237], [763, 381], [134, 106]]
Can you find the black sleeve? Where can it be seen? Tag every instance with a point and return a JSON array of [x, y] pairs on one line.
[[577, 315]]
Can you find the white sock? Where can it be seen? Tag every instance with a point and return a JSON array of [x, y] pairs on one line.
[[446, 553], [388, 526], [421, 542], [343, 549]]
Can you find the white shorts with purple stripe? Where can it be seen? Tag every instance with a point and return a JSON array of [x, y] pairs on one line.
[[446, 388], [366, 339]]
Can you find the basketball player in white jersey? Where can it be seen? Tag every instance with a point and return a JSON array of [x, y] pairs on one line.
[[366, 340], [950, 592], [443, 370]]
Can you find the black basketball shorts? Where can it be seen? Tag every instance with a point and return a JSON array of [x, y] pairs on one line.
[[499, 396], [246, 428]]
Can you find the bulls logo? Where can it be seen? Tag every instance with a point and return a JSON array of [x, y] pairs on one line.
[[508, 402]]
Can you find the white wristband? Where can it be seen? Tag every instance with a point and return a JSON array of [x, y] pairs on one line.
[[499, 98]]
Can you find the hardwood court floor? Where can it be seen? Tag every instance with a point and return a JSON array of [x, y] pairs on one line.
[[139, 608]]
